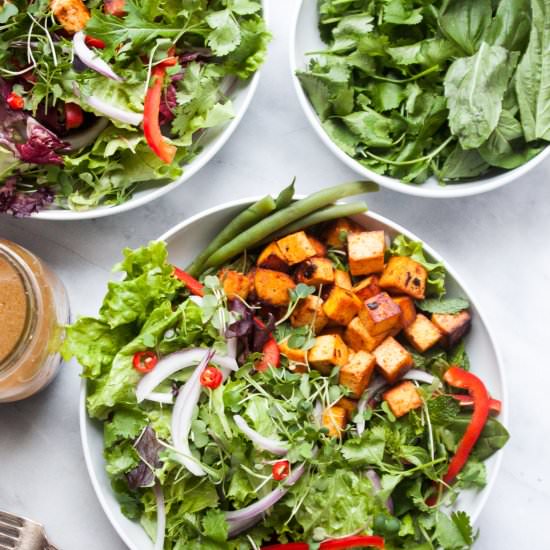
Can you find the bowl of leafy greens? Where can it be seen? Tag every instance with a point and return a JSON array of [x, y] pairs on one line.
[[105, 106], [438, 99], [267, 373]]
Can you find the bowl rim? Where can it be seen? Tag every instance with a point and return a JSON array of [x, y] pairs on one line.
[[249, 90], [450, 190], [84, 420]]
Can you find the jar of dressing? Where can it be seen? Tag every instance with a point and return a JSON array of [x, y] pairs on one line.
[[33, 310]]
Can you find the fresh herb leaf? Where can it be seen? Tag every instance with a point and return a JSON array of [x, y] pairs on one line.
[[444, 305]]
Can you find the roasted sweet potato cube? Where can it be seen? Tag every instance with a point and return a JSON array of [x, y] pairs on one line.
[[341, 305], [342, 279], [271, 257], [320, 248], [293, 354], [72, 15], [453, 326], [350, 406], [315, 271], [366, 252], [380, 314], [327, 352], [296, 248], [422, 334], [367, 288], [309, 311], [403, 398], [393, 359], [336, 330], [335, 419], [408, 310], [357, 372], [404, 276], [273, 287], [336, 233], [358, 338], [234, 283]]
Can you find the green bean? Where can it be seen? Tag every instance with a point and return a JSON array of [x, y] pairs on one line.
[[243, 221], [285, 196], [282, 218], [320, 216]]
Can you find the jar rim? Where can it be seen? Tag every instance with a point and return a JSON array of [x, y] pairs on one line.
[[32, 304]]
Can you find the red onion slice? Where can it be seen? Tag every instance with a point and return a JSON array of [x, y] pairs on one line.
[[374, 388], [419, 376], [91, 59], [377, 486], [161, 517], [272, 445]]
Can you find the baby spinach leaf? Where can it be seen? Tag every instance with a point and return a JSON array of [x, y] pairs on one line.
[[533, 76], [511, 25], [474, 87], [461, 164]]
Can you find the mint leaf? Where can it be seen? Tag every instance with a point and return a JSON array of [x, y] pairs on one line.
[[444, 305]]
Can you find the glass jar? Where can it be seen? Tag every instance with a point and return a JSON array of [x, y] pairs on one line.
[[33, 310]]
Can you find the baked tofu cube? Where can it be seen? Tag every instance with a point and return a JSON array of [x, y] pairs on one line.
[[380, 314], [366, 252], [335, 419], [408, 310], [350, 406], [357, 372], [336, 233], [309, 311], [341, 305], [320, 248], [403, 398], [315, 271], [296, 248], [342, 279], [273, 287], [235, 283], [422, 334], [367, 288], [358, 338], [293, 354], [453, 326], [72, 15], [393, 359], [328, 351], [271, 257], [404, 276]]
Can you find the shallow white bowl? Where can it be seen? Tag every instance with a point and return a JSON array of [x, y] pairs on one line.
[[304, 37], [185, 241], [212, 141]]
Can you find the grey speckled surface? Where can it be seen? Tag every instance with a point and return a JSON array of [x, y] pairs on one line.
[[498, 242]]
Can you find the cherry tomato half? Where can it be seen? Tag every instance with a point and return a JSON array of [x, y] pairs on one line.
[[74, 117], [145, 361], [211, 377], [280, 470], [15, 101]]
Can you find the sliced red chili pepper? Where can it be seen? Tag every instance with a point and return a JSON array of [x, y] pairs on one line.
[[145, 361], [271, 354], [211, 377], [355, 541], [151, 127], [464, 400], [94, 42], [287, 546], [114, 7], [280, 470], [74, 117], [195, 287], [15, 101], [459, 378]]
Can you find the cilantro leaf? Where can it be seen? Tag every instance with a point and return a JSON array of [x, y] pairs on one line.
[[226, 35]]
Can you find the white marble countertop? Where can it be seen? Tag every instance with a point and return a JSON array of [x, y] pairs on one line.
[[498, 242]]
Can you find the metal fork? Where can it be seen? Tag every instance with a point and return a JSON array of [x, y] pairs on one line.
[[19, 533]]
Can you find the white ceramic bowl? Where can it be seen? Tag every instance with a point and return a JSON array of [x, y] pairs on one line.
[[212, 141], [185, 241], [304, 38]]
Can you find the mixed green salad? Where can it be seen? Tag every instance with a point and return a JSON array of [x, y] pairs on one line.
[[310, 388], [87, 87], [414, 89]]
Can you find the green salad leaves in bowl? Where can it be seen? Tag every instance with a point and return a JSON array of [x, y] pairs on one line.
[[306, 380], [448, 98], [105, 105]]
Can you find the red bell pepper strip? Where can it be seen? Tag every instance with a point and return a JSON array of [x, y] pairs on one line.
[[288, 546], [355, 541], [94, 42], [195, 287], [459, 378], [271, 352], [464, 400], [151, 127]]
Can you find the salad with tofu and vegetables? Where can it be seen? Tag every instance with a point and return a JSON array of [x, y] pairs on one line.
[[98, 97], [302, 384]]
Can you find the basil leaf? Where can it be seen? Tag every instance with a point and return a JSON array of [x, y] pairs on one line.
[[446, 305]]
